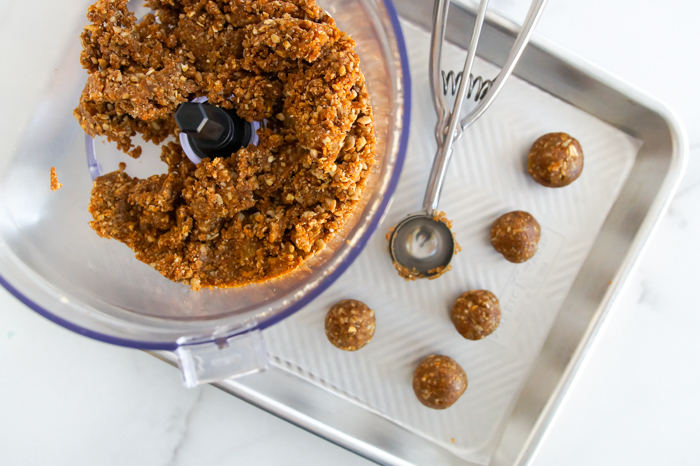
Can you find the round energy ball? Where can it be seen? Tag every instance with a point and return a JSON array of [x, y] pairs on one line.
[[476, 314], [439, 381], [350, 325], [516, 235], [555, 160]]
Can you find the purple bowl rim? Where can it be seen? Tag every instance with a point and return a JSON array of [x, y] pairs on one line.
[[328, 281]]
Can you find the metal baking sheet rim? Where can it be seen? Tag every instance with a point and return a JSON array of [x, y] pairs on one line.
[[245, 388]]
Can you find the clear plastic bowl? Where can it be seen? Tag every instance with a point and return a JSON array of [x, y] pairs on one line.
[[54, 263]]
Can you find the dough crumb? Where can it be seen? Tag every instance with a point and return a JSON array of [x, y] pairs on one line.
[[55, 185]]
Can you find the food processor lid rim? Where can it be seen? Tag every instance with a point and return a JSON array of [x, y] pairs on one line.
[[330, 279]]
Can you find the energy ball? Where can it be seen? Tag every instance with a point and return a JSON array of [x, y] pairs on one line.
[[350, 325], [555, 160], [439, 381], [516, 235], [476, 314]]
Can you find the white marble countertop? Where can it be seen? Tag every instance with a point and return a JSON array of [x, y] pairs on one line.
[[68, 400]]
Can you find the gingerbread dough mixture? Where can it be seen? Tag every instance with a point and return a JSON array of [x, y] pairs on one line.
[[262, 212]]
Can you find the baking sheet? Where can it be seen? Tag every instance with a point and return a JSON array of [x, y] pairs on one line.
[[487, 178]]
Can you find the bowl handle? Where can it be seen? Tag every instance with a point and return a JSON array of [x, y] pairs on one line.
[[228, 358]]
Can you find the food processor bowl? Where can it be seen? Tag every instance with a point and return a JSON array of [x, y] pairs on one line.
[[53, 262]]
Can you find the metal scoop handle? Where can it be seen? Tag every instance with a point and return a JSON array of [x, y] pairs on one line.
[[449, 123]]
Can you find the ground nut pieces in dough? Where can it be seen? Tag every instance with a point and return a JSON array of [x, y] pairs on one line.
[[324, 101], [276, 44], [265, 210], [350, 325]]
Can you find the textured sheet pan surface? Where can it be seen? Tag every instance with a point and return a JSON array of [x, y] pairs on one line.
[[488, 177]]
